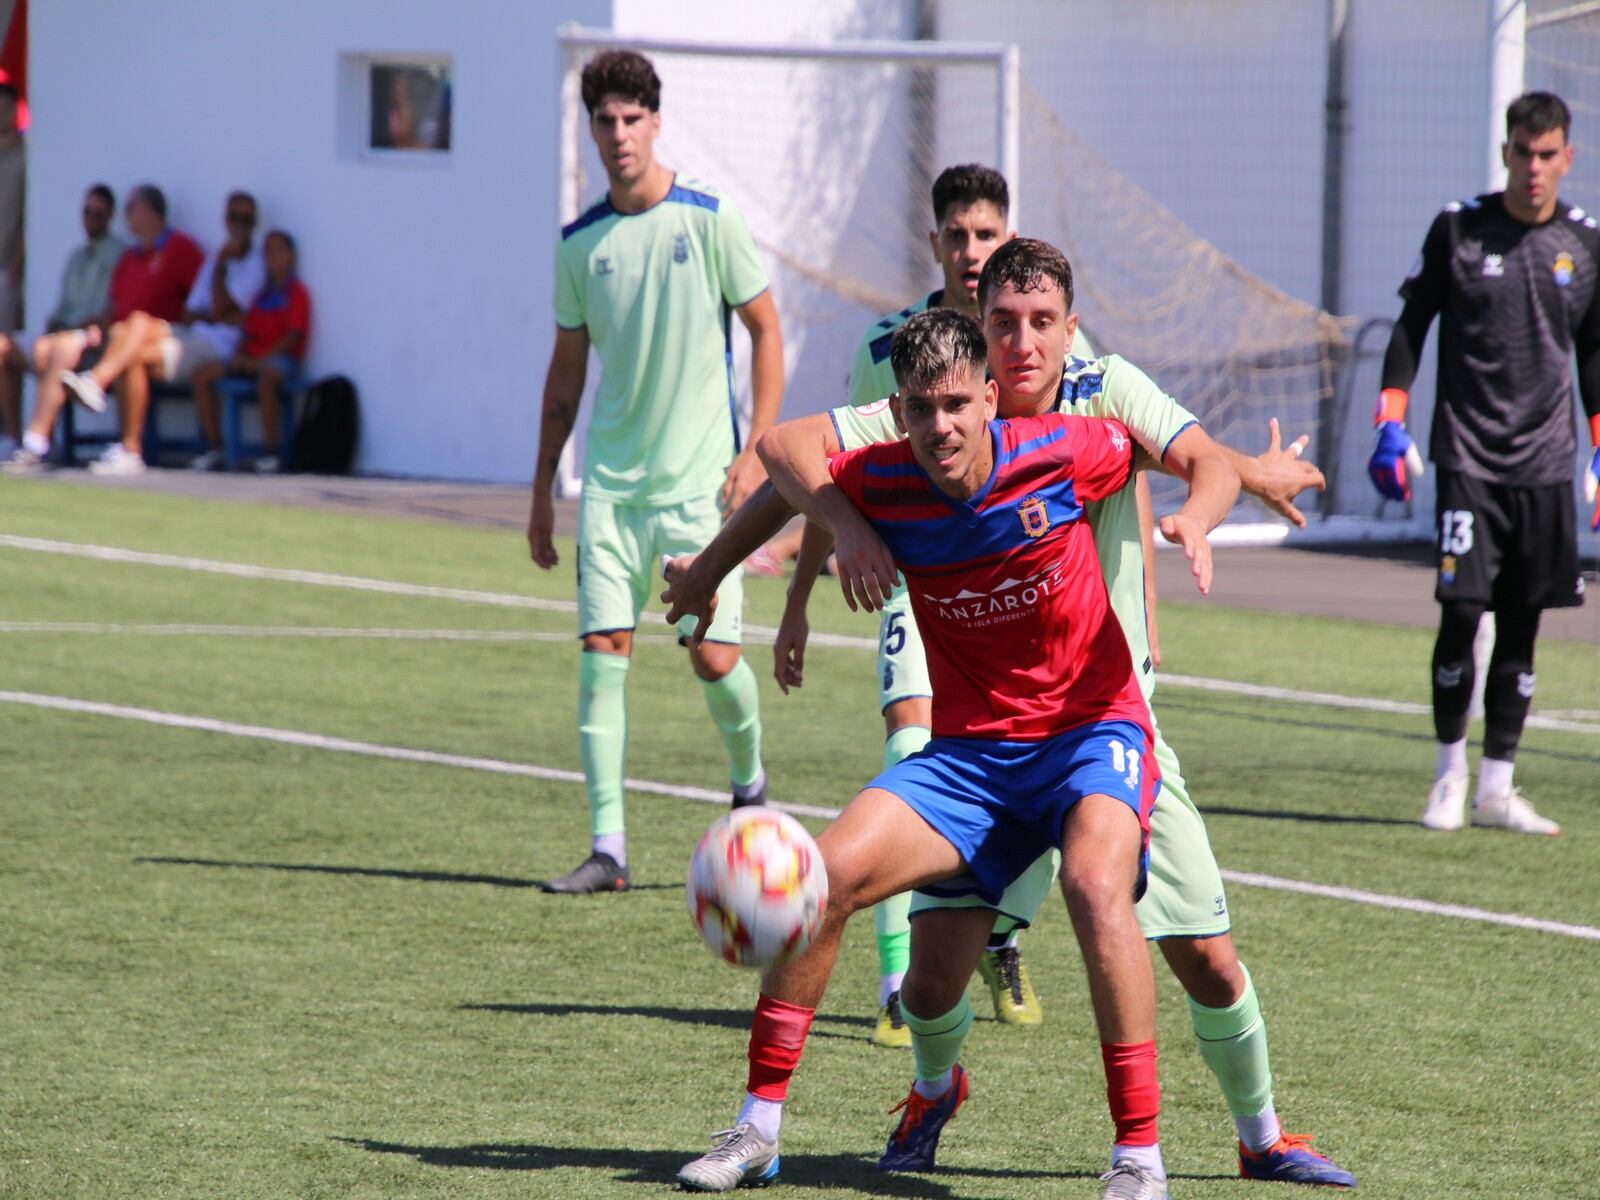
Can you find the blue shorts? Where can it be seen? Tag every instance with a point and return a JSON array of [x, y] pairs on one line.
[[1002, 804]]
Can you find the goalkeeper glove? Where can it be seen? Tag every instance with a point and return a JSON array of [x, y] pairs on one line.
[[1395, 461], [1591, 477]]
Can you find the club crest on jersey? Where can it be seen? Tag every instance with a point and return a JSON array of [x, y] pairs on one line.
[[1563, 269], [1493, 265], [680, 248], [1035, 516], [1447, 569], [602, 266]]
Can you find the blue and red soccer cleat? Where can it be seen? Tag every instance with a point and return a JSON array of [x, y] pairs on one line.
[[915, 1140], [1292, 1160]]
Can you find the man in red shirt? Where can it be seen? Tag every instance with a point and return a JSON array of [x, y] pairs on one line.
[[1041, 733], [153, 276]]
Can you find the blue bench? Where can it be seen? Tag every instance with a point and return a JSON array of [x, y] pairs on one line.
[[234, 394]]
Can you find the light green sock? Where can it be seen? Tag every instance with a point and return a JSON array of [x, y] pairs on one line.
[[893, 917], [737, 715], [936, 1043], [603, 736], [1233, 1041]]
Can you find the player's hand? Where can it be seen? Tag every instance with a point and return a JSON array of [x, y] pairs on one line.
[[541, 531], [1190, 533], [1591, 488], [1394, 462], [689, 594], [745, 474], [867, 572], [1281, 474], [789, 650]]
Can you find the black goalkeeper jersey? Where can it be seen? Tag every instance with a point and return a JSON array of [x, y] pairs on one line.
[[1514, 301]]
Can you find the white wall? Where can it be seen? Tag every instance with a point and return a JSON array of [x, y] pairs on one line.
[[430, 283]]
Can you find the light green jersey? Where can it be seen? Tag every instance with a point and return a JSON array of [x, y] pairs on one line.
[[654, 290], [1103, 387], [871, 376]]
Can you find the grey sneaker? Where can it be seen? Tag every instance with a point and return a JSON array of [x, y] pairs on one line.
[[117, 461], [23, 462], [85, 390], [1129, 1181], [740, 1157]]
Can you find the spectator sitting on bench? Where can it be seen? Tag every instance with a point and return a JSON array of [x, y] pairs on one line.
[[155, 344], [153, 276], [274, 346], [85, 297]]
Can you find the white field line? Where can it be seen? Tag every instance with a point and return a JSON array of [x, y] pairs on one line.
[[759, 633], [316, 741], [302, 631]]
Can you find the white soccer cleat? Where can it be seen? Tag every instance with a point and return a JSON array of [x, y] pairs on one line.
[[1511, 811], [740, 1158], [1129, 1181], [1447, 804]]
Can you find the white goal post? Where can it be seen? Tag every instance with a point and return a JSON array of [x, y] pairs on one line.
[[851, 306]]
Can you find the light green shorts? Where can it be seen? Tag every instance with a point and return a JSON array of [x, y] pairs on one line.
[[619, 562], [902, 665], [1184, 897]]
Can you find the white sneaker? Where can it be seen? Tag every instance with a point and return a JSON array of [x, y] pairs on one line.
[[117, 461], [1511, 811], [1447, 802], [267, 464], [211, 460], [23, 462], [85, 390]]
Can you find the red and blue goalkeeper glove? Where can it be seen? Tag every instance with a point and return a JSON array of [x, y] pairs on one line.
[[1395, 461], [1591, 477]]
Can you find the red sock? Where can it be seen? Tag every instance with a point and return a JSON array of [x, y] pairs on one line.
[[1132, 1091], [777, 1036]]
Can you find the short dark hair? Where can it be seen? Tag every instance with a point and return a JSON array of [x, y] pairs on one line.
[[288, 240], [1538, 112], [621, 73], [149, 194], [966, 185], [933, 345], [241, 194], [1028, 265], [104, 192]]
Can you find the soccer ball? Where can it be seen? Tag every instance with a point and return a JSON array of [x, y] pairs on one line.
[[757, 887]]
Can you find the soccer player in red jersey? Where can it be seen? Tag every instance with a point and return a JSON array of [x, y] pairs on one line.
[[1041, 733]]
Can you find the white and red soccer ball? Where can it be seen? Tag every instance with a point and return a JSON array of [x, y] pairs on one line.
[[757, 887]]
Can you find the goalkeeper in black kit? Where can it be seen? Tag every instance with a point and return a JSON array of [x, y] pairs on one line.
[[1512, 277]]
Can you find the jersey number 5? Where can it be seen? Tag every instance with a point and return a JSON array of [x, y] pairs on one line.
[[894, 634]]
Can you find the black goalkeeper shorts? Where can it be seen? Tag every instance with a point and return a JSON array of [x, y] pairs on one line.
[[1506, 547]]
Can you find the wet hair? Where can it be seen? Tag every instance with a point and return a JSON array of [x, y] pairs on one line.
[[936, 345], [966, 185], [1028, 265], [1537, 113], [150, 195], [621, 73], [103, 192]]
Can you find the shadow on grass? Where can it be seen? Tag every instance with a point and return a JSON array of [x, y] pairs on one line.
[[726, 1018], [505, 881], [658, 1167], [1271, 814]]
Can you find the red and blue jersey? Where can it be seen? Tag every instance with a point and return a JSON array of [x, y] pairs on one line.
[[1006, 587]]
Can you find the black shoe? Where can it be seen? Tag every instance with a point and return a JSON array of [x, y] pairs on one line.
[[597, 873], [752, 801]]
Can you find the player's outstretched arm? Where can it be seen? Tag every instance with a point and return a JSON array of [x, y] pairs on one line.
[[693, 579], [760, 319], [1213, 489], [1278, 474], [796, 457], [563, 390], [789, 650]]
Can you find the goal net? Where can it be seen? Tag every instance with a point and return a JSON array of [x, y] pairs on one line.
[[831, 153]]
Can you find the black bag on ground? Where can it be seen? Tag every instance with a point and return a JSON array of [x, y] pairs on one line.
[[330, 424]]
